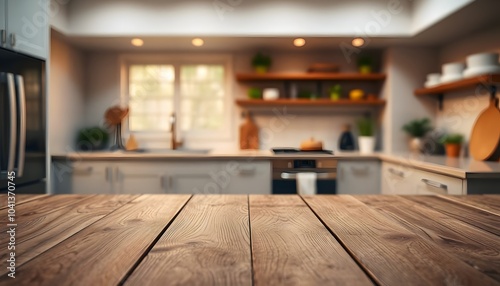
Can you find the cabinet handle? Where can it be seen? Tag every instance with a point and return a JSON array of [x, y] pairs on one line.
[[82, 171], [164, 182], [108, 174], [364, 169], [12, 39], [3, 37], [396, 172], [435, 184], [249, 170]]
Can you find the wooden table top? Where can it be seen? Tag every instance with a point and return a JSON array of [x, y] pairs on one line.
[[256, 239]]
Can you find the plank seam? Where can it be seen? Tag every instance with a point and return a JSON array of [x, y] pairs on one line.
[[152, 244], [451, 199], [351, 254], [250, 238], [23, 202]]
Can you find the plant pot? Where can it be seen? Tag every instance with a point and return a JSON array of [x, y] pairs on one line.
[[416, 144], [261, 69], [366, 144], [453, 150], [365, 69], [334, 96]]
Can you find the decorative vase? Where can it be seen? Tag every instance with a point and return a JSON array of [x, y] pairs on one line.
[[366, 144], [453, 150], [261, 69], [416, 144]]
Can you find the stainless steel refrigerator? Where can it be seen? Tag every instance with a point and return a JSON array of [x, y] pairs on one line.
[[22, 122]]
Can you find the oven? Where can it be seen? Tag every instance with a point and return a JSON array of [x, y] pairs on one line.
[[285, 174]]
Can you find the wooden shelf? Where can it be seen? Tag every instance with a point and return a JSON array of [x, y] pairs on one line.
[[486, 80], [310, 77], [308, 102]]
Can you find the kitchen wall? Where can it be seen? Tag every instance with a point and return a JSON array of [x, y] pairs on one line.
[[461, 108], [66, 94]]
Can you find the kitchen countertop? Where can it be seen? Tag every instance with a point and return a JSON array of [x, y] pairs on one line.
[[460, 168], [256, 239]]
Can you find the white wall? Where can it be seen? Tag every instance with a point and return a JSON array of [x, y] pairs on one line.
[[66, 95], [428, 12], [461, 108], [238, 17]]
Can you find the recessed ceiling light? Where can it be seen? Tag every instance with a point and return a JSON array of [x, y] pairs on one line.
[[137, 42], [358, 42], [299, 42], [197, 42]]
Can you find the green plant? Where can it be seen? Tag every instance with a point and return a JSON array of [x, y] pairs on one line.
[[453, 138], [261, 60], [336, 89], [366, 127], [254, 93], [418, 127], [93, 138], [364, 61]]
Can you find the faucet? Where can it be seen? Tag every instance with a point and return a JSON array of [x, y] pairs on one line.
[[173, 122]]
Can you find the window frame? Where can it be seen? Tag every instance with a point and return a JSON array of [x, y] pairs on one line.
[[154, 138]]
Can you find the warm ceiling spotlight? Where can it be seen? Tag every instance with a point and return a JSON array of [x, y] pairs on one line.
[[137, 42], [358, 42], [197, 42], [299, 42]]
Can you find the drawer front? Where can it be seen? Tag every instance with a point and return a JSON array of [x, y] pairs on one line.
[[358, 177], [397, 179], [428, 183], [250, 178]]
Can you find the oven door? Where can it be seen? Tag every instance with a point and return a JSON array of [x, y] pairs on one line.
[[285, 181]]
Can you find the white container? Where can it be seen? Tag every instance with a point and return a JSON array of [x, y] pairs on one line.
[[453, 69], [433, 79], [482, 60], [366, 144], [270, 94]]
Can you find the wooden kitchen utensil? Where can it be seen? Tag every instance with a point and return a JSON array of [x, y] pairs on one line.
[[485, 137], [249, 133], [311, 145], [114, 115]]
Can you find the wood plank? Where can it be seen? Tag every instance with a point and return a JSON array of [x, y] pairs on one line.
[[207, 244], [290, 246], [310, 76], [20, 199], [46, 222], [387, 250], [103, 253], [471, 215], [481, 202], [478, 248], [309, 102], [460, 84]]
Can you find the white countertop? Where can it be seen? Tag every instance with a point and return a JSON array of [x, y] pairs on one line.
[[461, 167]]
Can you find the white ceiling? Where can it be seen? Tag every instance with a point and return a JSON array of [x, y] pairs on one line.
[[474, 17]]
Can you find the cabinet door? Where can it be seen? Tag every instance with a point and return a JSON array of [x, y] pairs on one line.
[[397, 179], [358, 177], [92, 178], [248, 177], [428, 183], [140, 178], [28, 26], [195, 178]]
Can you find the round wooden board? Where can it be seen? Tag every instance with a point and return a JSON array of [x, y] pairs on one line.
[[485, 136]]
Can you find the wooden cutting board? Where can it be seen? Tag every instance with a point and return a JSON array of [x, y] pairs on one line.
[[485, 137], [249, 134]]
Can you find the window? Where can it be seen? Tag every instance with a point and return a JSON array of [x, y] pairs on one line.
[[196, 90]]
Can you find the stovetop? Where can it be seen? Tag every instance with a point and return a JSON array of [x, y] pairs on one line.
[[298, 151]]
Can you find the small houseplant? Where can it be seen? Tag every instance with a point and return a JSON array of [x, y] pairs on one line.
[[92, 139], [365, 64], [366, 139], [417, 129], [261, 63], [254, 93], [452, 143], [335, 92]]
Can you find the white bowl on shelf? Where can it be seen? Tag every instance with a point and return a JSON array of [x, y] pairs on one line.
[[433, 79], [471, 72], [453, 69], [450, 78], [482, 60], [270, 94]]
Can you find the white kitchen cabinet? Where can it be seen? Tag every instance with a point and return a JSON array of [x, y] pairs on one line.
[[249, 177], [397, 179], [139, 178], [193, 177], [358, 177], [427, 183], [26, 26], [83, 177]]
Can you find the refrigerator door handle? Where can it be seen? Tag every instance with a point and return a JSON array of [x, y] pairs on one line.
[[3, 37], [22, 125], [13, 122]]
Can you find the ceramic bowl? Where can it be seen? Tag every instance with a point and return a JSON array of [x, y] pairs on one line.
[[270, 94], [453, 69], [482, 60]]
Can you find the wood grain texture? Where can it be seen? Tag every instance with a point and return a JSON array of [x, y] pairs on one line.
[[485, 203], [207, 244], [104, 252], [290, 246], [309, 76], [468, 214], [46, 222], [478, 248], [465, 83], [20, 199], [391, 253]]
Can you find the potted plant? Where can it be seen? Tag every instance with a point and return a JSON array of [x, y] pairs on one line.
[[254, 93], [452, 143], [365, 64], [417, 129], [366, 139], [92, 139], [261, 63], [335, 92]]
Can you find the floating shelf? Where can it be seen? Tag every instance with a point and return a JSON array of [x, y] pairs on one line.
[[310, 76], [486, 80], [308, 102]]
